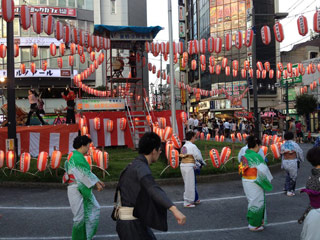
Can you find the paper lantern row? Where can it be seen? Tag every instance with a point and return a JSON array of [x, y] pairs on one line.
[[239, 39], [25, 159]]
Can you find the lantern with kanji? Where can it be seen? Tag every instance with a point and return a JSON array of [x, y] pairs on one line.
[[225, 154], [25, 160], [176, 141], [238, 40], [275, 151], [228, 41], [62, 48], [248, 37], [316, 21], [278, 31], [60, 62], [174, 158], [183, 116], [215, 158], [217, 44], [265, 35], [302, 25], [58, 30]]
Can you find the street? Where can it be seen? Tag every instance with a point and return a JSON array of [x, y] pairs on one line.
[[32, 214]]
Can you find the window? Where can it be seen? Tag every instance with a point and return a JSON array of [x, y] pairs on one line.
[[43, 2], [313, 55], [33, 2], [71, 3], [25, 56], [16, 27], [113, 6], [62, 3], [89, 4], [4, 29], [52, 3], [80, 4]]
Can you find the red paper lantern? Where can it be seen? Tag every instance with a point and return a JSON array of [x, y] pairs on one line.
[[278, 74], [227, 71], [258, 74], [228, 41], [16, 50], [176, 141], [25, 19], [96, 123], [225, 154], [239, 136], [66, 34], [22, 68], [71, 60], [234, 73], [62, 49], [203, 46], [302, 25], [248, 38], [10, 158], [58, 32], [83, 59], [267, 66], [251, 73], [316, 21], [224, 62], [8, 10], [212, 61], [55, 159], [33, 68], [193, 64], [210, 44], [218, 69], [25, 159], [48, 24], [44, 65], [37, 23], [74, 35], [238, 40], [184, 118], [203, 60], [109, 125], [271, 73], [275, 151], [34, 50], [180, 48], [278, 31], [147, 46], [265, 35], [260, 66], [263, 74], [42, 161], [289, 67], [123, 124], [215, 158], [60, 62], [167, 133], [53, 49], [92, 56], [190, 47], [217, 44], [174, 158], [235, 64]]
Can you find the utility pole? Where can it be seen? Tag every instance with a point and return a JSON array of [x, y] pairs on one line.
[[287, 105], [254, 78], [11, 98], [173, 101], [161, 78]]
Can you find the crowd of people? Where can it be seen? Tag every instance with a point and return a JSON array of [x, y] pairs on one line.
[[141, 204]]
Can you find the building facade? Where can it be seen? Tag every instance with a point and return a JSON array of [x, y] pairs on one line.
[[217, 18], [75, 13]]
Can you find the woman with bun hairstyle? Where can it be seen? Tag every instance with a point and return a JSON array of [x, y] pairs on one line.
[[256, 179], [84, 206]]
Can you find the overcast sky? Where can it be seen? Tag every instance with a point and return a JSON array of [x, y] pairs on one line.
[[158, 15]]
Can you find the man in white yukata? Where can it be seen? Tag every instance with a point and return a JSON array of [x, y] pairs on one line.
[[191, 164]]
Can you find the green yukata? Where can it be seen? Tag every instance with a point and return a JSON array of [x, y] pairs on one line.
[[255, 188], [84, 206]]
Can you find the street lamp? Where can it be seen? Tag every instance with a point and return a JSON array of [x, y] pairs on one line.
[[254, 66]]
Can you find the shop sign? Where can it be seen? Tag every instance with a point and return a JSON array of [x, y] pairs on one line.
[[204, 105], [181, 13], [292, 80], [28, 41], [56, 11], [131, 36], [40, 73], [244, 114], [182, 28], [183, 96], [100, 104]]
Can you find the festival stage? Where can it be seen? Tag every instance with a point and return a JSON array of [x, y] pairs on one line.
[[35, 139]]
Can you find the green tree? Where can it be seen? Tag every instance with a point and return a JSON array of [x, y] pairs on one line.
[[305, 105]]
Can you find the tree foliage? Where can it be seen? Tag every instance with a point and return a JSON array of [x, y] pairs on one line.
[[306, 104]]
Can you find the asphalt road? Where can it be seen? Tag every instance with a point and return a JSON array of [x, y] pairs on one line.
[[32, 214]]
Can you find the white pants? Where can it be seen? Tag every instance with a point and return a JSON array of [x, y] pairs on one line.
[[187, 172]]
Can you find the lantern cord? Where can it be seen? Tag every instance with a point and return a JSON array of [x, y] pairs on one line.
[[164, 169]]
